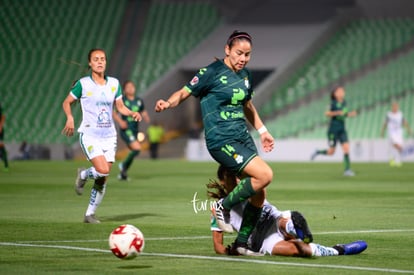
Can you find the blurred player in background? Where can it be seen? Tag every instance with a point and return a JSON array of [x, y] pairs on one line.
[[97, 94], [338, 113], [282, 233], [129, 128], [3, 152], [394, 124], [155, 136], [225, 92]]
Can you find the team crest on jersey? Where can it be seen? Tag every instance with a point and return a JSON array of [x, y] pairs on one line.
[[113, 89], [89, 93], [246, 83], [194, 81]]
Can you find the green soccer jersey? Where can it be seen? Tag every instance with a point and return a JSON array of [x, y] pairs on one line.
[[338, 122], [135, 105], [222, 94]]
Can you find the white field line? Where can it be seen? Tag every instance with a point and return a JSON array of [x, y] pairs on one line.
[[208, 237], [217, 258]]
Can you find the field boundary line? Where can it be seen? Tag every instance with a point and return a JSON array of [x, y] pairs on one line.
[[227, 236], [216, 258]]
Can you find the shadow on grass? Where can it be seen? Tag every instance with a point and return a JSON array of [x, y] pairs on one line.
[[125, 217], [135, 266]]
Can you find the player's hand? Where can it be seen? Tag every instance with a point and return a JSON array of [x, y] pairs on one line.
[[161, 105], [136, 116], [69, 128], [352, 114], [268, 141]]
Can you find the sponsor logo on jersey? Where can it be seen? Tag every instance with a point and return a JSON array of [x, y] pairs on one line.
[[194, 81], [247, 83]]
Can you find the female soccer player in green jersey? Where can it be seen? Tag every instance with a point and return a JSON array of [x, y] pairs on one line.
[[97, 94], [225, 93], [337, 132], [129, 127]]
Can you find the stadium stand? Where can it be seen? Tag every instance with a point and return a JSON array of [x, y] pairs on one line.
[[44, 49], [172, 30], [354, 45], [370, 95]]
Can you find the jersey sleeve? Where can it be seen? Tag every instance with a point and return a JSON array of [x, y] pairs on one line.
[[248, 83], [76, 90], [199, 84], [118, 94], [213, 224], [142, 105]]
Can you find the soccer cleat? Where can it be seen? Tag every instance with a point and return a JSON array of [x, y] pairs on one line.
[[222, 217], [122, 173], [349, 173], [301, 227], [91, 219], [314, 155], [80, 183], [237, 249], [351, 248]]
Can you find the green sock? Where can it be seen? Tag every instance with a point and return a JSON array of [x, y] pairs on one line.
[[130, 158], [322, 152], [3, 154], [242, 191], [347, 163], [251, 215]]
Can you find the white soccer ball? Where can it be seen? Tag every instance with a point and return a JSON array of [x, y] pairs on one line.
[[126, 241]]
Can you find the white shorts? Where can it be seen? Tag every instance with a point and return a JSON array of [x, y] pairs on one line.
[[93, 147], [271, 240], [396, 138]]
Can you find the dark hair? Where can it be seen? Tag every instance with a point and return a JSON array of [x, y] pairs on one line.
[[238, 35], [216, 190], [94, 50], [127, 82], [333, 92]]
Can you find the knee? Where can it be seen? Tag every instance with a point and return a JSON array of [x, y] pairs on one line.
[[102, 171], [266, 177]]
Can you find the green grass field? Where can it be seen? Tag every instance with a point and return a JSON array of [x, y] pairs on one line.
[[41, 229]]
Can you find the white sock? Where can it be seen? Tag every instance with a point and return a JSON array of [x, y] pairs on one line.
[[91, 173], [320, 250], [95, 200], [397, 157]]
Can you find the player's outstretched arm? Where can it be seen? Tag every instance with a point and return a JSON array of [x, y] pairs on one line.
[[219, 247], [70, 123], [174, 100], [120, 106]]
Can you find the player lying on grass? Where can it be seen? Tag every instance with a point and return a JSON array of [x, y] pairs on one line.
[[283, 233]]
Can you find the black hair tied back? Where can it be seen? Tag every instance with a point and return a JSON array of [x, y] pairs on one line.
[[240, 36]]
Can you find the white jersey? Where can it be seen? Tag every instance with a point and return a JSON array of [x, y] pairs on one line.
[[97, 104], [266, 233], [395, 123]]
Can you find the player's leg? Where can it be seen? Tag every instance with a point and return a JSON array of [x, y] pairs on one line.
[[101, 155], [130, 138], [253, 187], [343, 138], [397, 143], [3, 152], [331, 146]]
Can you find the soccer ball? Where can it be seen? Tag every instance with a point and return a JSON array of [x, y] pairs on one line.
[[126, 241]]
